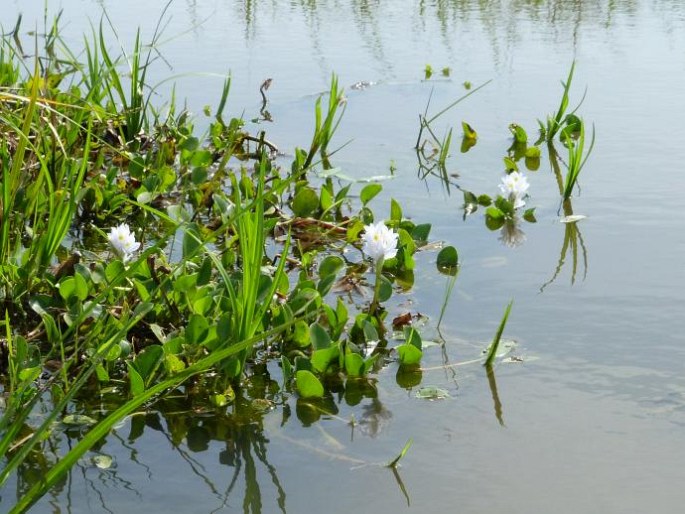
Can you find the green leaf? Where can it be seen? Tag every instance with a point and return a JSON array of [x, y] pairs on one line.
[[529, 215], [484, 200], [321, 359], [448, 261], [67, 288], [533, 163], [331, 265], [287, 369], [470, 198], [192, 240], [409, 354], [393, 463], [370, 332], [369, 191], [319, 336], [469, 132], [519, 133], [29, 374], [197, 329], [301, 334], [137, 384], [412, 336], [385, 291], [80, 286], [306, 202], [420, 232], [533, 152], [147, 361], [308, 385], [354, 364], [494, 213], [510, 165], [395, 211], [173, 364], [492, 351]]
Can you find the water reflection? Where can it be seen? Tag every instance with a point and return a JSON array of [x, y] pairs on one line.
[[511, 234], [573, 242]]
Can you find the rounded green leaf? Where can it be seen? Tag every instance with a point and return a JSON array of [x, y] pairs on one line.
[[448, 260], [308, 385], [67, 288], [385, 290], [409, 354], [369, 192], [197, 329], [306, 202], [330, 265], [319, 336]]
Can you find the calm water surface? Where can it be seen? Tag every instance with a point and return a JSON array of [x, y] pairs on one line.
[[593, 419]]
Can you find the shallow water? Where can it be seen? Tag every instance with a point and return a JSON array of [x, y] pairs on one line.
[[592, 420]]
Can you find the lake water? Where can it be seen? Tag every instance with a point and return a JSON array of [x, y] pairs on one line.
[[593, 418]]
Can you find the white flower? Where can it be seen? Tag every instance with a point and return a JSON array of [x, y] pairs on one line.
[[514, 187], [123, 241], [380, 242]]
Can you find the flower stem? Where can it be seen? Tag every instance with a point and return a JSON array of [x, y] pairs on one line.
[[377, 287]]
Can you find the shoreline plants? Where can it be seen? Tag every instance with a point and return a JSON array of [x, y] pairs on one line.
[[139, 258], [142, 258]]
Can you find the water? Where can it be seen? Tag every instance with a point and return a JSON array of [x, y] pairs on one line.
[[592, 420]]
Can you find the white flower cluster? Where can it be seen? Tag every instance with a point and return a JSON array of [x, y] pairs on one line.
[[379, 242], [514, 187], [123, 241]]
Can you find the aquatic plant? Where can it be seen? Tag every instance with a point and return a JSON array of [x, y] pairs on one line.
[[514, 186]]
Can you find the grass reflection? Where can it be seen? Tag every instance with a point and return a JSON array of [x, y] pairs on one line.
[[573, 239]]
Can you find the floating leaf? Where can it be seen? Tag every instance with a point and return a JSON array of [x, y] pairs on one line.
[[529, 215], [448, 261], [103, 461], [469, 132], [432, 393], [78, 420], [572, 218]]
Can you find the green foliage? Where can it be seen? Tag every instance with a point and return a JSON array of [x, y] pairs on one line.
[[492, 349]]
